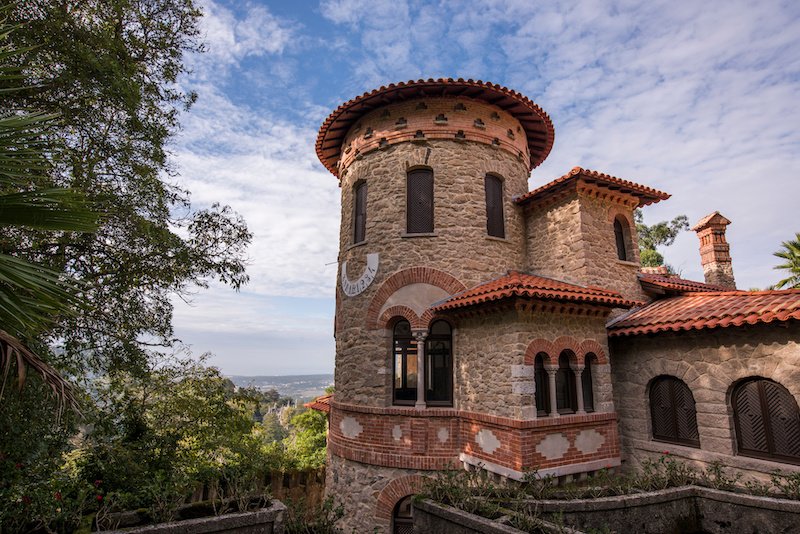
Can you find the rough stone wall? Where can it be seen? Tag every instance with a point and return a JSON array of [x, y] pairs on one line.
[[709, 362], [459, 245], [573, 240], [491, 349]]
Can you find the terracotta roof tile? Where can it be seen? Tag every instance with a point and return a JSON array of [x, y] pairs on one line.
[[674, 284], [717, 309], [646, 195], [321, 404], [517, 284], [537, 124], [716, 217]]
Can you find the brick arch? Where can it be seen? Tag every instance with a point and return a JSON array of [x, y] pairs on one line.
[[405, 312], [540, 345], [395, 490], [567, 343], [591, 345], [412, 275]]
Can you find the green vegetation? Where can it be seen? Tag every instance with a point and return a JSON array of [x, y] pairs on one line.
[[790, 253], [656, 235]]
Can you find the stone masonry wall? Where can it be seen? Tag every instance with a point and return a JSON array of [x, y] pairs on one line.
[[709, 362]]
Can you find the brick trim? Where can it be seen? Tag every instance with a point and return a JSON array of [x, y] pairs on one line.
[[535, 347], [553, 350], [395, 490], [400, 311], [412, 275], [591, 345]]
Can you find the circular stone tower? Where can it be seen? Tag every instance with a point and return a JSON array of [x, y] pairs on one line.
[[429, 171]]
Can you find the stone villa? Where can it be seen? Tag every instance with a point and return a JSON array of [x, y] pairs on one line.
[[481, 324]]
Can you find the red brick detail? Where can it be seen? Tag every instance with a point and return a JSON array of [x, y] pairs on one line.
[[567, 343], [400, 311], [413, 275], [395, 490], [540, 345], [591, 345]]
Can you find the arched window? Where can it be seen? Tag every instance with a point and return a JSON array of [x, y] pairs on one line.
[[405, 364], [767, 420], [672, 412], [566, 398], [542, 396], [402, 517], [494, 206], [586, 382], [419, 201], [620, 236], [439, 365], [360, 213]]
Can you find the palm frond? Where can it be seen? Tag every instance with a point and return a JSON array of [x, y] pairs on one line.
[[48, 209]]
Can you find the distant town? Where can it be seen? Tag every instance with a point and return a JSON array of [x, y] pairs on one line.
[[299, 387]]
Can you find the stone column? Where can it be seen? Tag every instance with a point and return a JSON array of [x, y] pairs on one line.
[[551, 377], [420, 337], [578, 370]]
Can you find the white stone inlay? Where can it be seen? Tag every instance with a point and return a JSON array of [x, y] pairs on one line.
[[443, 434], [487, 441], [397, 432], [524, 387], [522, 371], [553, 446], [589, 441], [351, 289], [350, 427]]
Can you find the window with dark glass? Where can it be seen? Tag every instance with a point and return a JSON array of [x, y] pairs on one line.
[[619, 234], [586, 383], [672, 411], [360, 213], [494, 206], [542, 395], [767, 420], [405, 364], [566, 398], [419, 202], [439, 365]]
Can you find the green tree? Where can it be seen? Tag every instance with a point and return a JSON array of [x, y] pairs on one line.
[[790, 253], [660, 234]]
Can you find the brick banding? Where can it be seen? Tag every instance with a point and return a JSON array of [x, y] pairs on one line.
[[395, 490]]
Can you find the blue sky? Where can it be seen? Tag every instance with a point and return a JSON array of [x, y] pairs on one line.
[[699, 99]]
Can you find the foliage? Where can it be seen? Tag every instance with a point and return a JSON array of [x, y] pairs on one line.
[[786, 484], [321, 520], [790, 253], [660, 234]]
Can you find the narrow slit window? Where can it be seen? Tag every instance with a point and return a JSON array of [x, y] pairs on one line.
[[619, 234], [494, 206], [360, 214], [542, 383], [419, 203], [586, 383]]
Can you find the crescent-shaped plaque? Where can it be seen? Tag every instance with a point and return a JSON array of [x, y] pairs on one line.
[[351, 289]]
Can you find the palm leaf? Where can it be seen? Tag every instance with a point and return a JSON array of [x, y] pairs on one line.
[[48, 209]]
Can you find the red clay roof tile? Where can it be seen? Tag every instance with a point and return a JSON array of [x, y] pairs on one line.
[[674, 284], [717, 309], [646, 195], [321, 404], [537, 124], [517, 284]]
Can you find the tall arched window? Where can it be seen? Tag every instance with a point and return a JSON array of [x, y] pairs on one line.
[[542, 395], [419, 201], [494, 206], [619, 235], [586, 382], [360, 212], [672, 412], [405, 364], [439, 365], [566, 398], [767, 420]]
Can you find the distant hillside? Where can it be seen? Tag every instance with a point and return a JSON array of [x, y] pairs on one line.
[[301, 387]]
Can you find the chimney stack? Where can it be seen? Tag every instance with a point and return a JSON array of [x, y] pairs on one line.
[[715, 252]]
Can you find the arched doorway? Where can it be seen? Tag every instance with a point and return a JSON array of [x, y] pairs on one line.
[[402, 518]]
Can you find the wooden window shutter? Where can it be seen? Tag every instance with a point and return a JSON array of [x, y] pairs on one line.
[[673, 412], [419, 202], [494, 206], [360, 215], [767, 421], [784, 420]]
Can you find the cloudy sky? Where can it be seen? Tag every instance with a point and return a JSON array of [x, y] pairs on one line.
[[699, 99]]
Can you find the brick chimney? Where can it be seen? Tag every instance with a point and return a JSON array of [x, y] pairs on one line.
[[715, 252]]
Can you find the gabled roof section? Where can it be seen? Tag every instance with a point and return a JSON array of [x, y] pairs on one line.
[[536, 123], [645, 195], [716, 219], [717, 309], [517, 284], [658, 283], [321, 404]]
